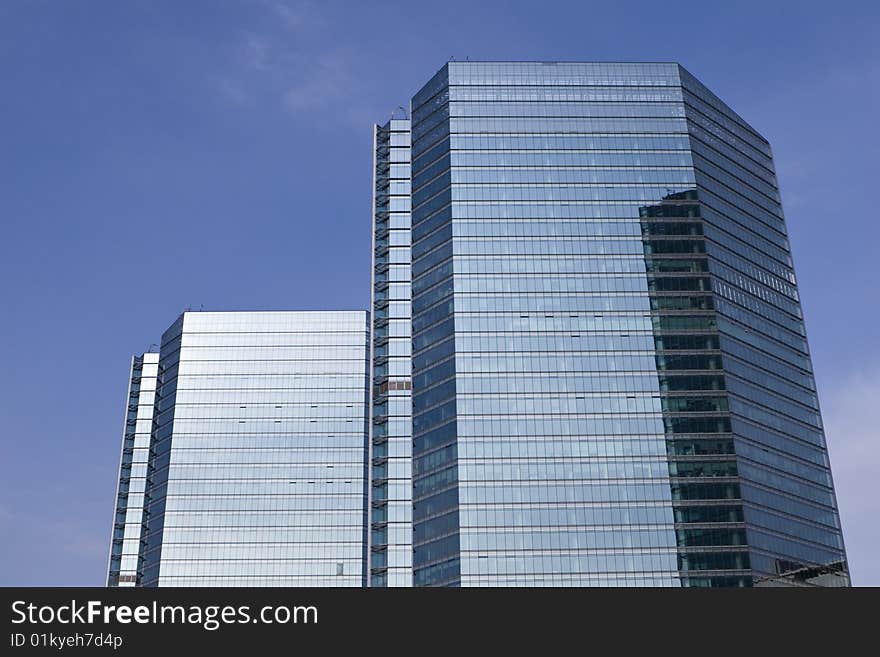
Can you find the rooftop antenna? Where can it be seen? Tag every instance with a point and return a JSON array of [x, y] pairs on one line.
[[452, 58]]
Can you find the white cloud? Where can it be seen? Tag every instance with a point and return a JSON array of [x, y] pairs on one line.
[[287, 61], [256, 51], [851, 410], [324, 81], [294, 15], [233, 91]]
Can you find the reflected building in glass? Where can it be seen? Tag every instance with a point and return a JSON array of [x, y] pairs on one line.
[[256, 471], [611, 383], [390, 555]]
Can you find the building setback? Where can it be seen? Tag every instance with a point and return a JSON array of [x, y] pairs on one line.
[[128, 514], [390, 555], [611, 380], [256, 473]]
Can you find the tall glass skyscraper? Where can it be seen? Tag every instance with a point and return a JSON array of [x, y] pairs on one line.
[[611, 380], [390, 555], [256, 471]]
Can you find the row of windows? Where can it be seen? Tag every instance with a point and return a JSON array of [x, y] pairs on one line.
[[559, 303], [299, 414], [542, 493], [730, 204], [548, 93], [268, 426], [793, 549], [197, 471], [316, 547], [315, 511], [538, 449], [214, 580], [790, 485], [302, 464], [714, 124], [736, 178], [537, 125], [762, 352], [581, 384], [622, 227], [695, 92], [510, 245], [775, 402], [583, 167], [788, 463], [771, 420], [547, 108], [585, 564], [616, 167], [608, 203], [828, 536], [217, 569], [699, 136], [590, 540], [586, 341], [729, 186], [564, 471], [745, 247], [763, 309], [551, 265], [586, 142], [728, 133]]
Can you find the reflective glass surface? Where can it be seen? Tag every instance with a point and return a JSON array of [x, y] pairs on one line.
[[611, 383], [789, 506], [257, 467], [390, 555], [539, 442], [126, 538]]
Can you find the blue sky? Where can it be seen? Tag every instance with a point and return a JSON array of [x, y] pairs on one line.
[[161, 155]]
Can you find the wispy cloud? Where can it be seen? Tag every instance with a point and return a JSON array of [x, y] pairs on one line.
[[232, 91], [328, 80], [256, 52], [294, 15], [285, 60], [852, 425]]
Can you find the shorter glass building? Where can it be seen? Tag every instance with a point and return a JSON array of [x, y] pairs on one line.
[[255, 474]]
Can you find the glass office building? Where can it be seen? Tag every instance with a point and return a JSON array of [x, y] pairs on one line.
[[610, 376], [585, 365], [256, 472], [128, 515], [390, 555]]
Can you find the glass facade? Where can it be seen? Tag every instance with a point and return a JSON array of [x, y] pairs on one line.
[[611, 384], [126, 537], [256, 473], [788, 500], [390, 556], [585, 365]]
